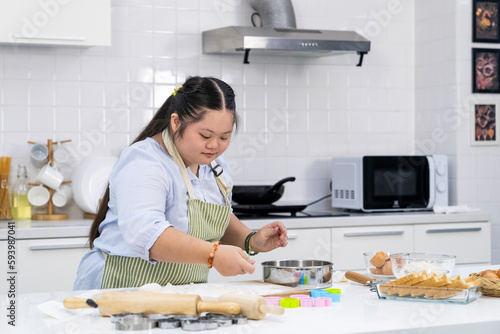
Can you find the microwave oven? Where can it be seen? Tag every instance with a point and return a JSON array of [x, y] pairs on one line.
[[390, 183]]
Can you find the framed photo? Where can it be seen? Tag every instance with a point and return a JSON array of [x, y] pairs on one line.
[[485, 21], [483, 123], [485, 76]]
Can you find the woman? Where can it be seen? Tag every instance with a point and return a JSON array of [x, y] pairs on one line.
[[167, 205]]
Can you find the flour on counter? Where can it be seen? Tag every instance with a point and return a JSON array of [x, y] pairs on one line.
[[204, 290], [210, 290]]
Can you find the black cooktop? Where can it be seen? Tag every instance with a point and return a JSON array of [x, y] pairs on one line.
[[287, 215]]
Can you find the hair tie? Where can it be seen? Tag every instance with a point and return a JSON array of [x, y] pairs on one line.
[[176, 90]]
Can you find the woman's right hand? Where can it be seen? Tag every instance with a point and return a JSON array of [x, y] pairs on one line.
[[231, 261]]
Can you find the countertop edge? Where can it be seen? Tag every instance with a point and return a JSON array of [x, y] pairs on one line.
[[77, 228]]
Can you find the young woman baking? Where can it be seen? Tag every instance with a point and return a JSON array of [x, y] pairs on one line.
[[166, 214]]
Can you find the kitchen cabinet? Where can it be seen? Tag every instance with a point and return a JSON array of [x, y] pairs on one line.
[[349, 243], [470, 242], [56, 22], [302, 244], [46, 264]]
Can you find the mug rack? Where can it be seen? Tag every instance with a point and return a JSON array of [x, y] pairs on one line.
[[50, 215]]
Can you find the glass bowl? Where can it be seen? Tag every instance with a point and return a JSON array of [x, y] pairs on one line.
[[407, 263], [384, 271]]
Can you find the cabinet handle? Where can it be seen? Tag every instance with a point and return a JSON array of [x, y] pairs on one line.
[[292, 236], [454, 230], [372, 234], [55, 38], [52, 247]]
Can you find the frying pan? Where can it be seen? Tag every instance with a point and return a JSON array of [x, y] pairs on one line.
[[260, 194]]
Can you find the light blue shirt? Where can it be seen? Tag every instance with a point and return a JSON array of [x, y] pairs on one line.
[[147, 195]]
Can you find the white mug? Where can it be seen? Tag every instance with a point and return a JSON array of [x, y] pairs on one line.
[[62, 196], [60, 154], [50, 176], [39, 155], [38, 196]]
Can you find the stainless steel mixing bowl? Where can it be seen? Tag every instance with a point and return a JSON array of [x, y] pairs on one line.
[[303, 274]]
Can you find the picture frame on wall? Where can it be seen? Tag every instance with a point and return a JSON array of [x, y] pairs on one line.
[[483, 123], [485, 70], [485, 21]]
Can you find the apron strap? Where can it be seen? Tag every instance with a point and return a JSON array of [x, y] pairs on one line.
[[219, 177], [216, 168], [172, 150]]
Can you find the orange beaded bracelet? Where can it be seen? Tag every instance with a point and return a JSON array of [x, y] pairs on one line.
[[212, 253]]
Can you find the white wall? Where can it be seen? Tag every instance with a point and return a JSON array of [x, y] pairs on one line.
[[443, 98], [100, 97]]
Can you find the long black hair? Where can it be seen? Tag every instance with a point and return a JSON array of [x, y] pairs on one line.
[[191, 102]]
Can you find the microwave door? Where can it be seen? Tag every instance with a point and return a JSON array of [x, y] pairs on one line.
[[395, 183]]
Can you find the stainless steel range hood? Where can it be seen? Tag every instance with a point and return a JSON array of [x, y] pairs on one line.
[[278, 36]]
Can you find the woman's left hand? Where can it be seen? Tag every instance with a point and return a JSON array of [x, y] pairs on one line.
[[269, 237]]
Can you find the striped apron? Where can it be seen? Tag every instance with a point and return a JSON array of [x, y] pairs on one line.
[[207, 221]]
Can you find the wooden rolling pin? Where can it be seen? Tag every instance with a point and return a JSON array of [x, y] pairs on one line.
[[152, 303], [359, 278], [253, 306]]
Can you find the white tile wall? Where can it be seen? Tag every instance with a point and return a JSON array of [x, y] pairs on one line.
[[295, 113], [442, 107]]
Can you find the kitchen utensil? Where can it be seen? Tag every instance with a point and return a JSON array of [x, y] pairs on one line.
[[253, 306], [305, 274], [62, 196], [200, 324], [90, 179], [135, 324], [50, 176], [170, 323], [359, 278], [39, 155], [5, 211], [221, 319], [115, 302], [406, 263], [239, 319], [38, 196], [260, 194]]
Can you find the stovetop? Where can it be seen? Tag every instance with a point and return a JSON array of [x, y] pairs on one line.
[[288, 215]]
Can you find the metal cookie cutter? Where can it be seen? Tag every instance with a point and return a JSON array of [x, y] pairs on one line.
[[157, 316], [223, 320], [135, 324], [199, 324], [362, 279], [239, 319], [169, 323]]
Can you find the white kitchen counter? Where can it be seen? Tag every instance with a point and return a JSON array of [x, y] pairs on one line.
[[80, 227], [359, 311]]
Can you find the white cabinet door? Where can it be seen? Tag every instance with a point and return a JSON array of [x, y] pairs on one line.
[[303, 244], [470, 242], [56, 22], [48, 264], [349, 243]]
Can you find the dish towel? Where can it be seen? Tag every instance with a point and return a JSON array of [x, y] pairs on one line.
[[455, 209]]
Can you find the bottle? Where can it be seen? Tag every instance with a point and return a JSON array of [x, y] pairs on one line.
[[21, 207]]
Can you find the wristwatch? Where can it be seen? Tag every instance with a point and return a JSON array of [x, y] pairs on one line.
[[248, 248]]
